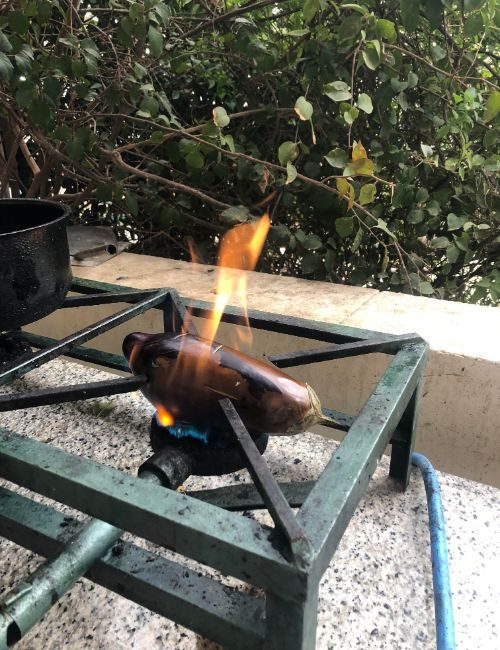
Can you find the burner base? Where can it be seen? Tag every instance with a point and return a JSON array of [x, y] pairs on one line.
[[177, 458]]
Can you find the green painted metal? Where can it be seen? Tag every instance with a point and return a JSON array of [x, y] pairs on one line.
[[331, 503], [91, 355], [197, 526], [232, 544], [246, 496], [229, 617], [35, 595], [262, 320], [84, 335]]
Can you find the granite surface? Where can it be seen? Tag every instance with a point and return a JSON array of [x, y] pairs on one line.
[[377, 592]]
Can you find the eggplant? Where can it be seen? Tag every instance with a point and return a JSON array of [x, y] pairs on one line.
[[188, 375]]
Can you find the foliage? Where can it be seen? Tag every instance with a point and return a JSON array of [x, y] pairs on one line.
[[368, 130]]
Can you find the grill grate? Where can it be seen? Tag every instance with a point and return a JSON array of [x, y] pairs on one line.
[[287, 561]]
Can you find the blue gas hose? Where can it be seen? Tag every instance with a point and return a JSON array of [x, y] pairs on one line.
[[445, 631]]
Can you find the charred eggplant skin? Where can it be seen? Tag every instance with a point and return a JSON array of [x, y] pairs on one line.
[[188, 376]]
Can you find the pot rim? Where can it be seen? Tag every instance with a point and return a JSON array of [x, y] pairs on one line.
[[65, 209]]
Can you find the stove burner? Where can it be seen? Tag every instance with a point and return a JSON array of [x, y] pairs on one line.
[[177, 456], [286, 560], [12, 348]]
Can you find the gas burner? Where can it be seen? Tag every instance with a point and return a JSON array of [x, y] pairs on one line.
[[13, 348], [286, 561], [182, 451]]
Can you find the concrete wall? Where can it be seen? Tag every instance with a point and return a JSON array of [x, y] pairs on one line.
[[460, 410]]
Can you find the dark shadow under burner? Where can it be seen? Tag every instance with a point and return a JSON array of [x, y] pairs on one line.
[[176, 457], [12, 349]]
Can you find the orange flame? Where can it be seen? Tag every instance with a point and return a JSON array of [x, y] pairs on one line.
[[165, 418], [239, 250]]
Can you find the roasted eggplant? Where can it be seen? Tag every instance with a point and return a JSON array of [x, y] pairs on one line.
[[188, 375]]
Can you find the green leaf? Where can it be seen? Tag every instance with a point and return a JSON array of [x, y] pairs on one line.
[[157, 137], [344, 226], [336, 158], [234, 215], [367, 193], [422, 195], [427, 150], [454, 222], [492, 106], [415, 216], [371, 54], [437, 53], [311, 264], [312, 242], [385, 29], [425, 288], [474, 25], [452, 253], [310, 9], [365, 103], [351, 114], [5, 45], [349, 28], [338, 91], [398, 86], [440, 242], [303, 108], [433, 208], [433, 9], [18, 22], [39, 112], [410, 14], [291, 173], [298, 32], [132, 202], [220, 116], [155, 40], [412, 80], [288, 152], [473, 5], [360, 167], [195, 159], [6, 68], [382, 225]]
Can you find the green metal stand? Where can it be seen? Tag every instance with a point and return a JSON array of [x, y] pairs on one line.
[[197, 525]]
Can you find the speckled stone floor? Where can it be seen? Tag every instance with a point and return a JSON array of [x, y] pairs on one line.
[[377, 592]]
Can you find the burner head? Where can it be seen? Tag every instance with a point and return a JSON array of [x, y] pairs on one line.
[[214, 453], [13, 348]]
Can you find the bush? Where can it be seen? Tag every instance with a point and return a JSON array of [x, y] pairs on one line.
[[368, 130]]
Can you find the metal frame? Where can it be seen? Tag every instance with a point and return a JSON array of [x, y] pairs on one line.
[[200, 525]]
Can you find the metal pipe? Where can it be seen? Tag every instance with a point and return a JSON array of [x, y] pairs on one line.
[[25, 605], [31, 599]]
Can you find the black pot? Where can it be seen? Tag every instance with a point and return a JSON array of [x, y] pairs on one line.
[[35, 271]]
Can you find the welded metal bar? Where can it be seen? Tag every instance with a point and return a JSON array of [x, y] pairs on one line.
[[90, 355], [280, 511], [303, 357], [291, 625], [331, 503], [402, 446], [82, 336], [271, 322], [133, 297], [30, 399], [231, 618], [232, 544], [247, 497], [176, 317]]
